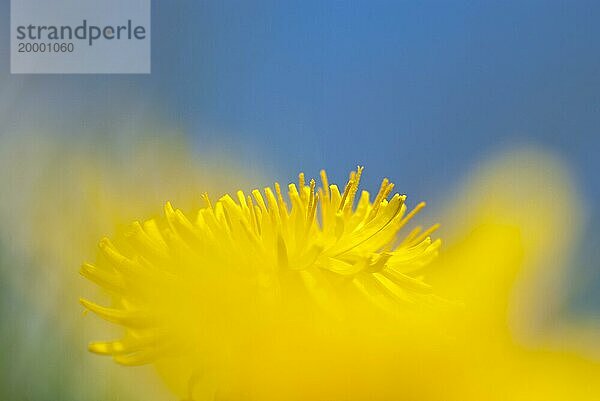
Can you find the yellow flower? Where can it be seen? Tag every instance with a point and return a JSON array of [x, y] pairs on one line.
[[273, 307], [255, 298]]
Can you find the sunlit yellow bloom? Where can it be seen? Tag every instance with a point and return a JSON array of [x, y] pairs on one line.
[[261, 298]]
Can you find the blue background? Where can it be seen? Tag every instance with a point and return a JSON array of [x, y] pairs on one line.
[[417, 91]]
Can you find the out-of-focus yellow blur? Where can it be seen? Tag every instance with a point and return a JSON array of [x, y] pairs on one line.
[[512, 230], [59, 195]]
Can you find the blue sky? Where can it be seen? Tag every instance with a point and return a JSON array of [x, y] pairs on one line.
[[418, 91]]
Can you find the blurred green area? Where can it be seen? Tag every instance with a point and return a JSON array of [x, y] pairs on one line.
[[38, 362], [60, 197]]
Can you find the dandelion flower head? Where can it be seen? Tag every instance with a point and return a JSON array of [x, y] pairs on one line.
[[257, 296]]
